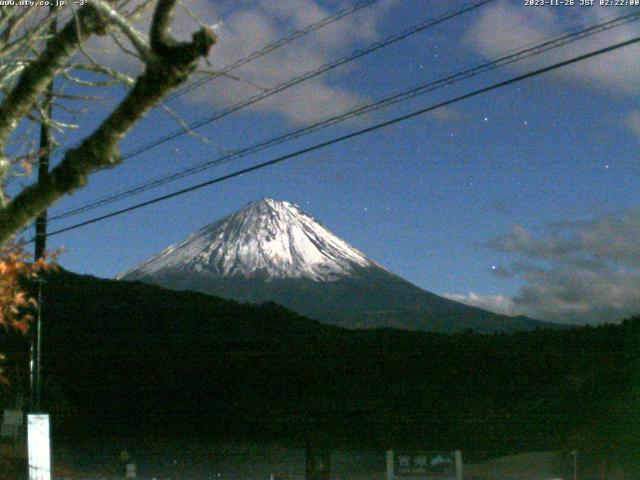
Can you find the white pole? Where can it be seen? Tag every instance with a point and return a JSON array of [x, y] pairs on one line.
[[458, 455], [390, 472], [39, 446]]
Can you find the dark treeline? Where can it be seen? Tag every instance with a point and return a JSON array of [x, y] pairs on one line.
[[125, 358]]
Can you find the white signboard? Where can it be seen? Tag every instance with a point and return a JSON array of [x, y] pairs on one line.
[[39, 446]]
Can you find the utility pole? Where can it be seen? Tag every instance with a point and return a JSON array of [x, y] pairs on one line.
[[38, 347], [38, 423], [34, 363], [46, 144]]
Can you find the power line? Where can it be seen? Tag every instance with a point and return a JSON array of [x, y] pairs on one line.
[[274, 46], [357, 133], [369, 107], [225, 71], [300, 78], [305, 76]]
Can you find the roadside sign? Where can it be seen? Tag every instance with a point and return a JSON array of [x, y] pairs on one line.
[[424, 465], [12, 424]]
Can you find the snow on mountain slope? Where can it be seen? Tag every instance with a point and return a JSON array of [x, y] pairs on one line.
[[272, 251], [267, 239]]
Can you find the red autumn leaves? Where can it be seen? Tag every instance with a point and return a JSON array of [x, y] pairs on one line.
[[16, 305]]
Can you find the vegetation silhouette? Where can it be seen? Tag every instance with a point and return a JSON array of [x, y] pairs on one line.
[[126, 358]]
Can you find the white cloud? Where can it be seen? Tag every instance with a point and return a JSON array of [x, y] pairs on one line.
[[252, 25], [501, 304], [247, 30], [448, 114], [505, 26], [633, 122], [579, 272]]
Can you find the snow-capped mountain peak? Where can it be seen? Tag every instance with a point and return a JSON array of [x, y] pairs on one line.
[[267, 238], [273, 251]]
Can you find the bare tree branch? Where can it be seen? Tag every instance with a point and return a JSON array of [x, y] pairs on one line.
[[37, 75], [136, 38], [172, 63], [109, 72]]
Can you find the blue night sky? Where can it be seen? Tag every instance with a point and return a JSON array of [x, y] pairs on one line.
[[506, 200]]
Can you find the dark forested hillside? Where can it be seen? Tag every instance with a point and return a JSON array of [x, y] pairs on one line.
[[125, 356]]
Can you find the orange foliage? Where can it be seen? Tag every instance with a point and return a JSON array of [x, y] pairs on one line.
[[15, 302]]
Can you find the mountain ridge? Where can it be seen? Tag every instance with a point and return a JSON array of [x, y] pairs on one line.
[[273, 251]]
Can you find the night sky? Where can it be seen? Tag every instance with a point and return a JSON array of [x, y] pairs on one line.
[[521, 200]]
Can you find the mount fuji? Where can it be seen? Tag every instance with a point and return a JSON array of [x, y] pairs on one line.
[[272, 250]]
